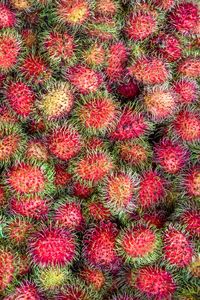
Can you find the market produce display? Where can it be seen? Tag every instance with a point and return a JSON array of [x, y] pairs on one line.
[[99, 150]]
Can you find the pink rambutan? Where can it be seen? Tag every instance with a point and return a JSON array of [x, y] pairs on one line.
[[84, 79], [140, 25], [151, 189], [93, 277], [52, 246], [64, 142], [186, 90], [190, 218], [81, 190], [106, 7], [35, 70], [191, 182], [131, 124], [97, 211], [128, 89], [189, 67], [99, 245], [59, 46], [62, 177], [68, 214], [20, 98], [149, 70], [171, 156], [178, 250], [184, 17], [155, 283], [7, 268], [160, 103], [168, 46], [118, 192], [92, 167], [139, 244], [26, 291], [73, 12], [32, 207], [187, 126], [9, 50], [7, 17]]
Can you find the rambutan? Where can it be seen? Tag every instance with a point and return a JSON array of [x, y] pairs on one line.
[[35, 69], [157, 218], [160, 103], [36, 151], [164, 4], [59, 47], [186, 90], [77, 291], [103, 28], [191, 182], [97, 114], [128, 89], [168, 46], [189, 67], [84, 79], [139, 244], [21, 5], [7, 116], [131, 124], [29, 37], [68, 214], [10, 47], [18, 230], [95, 55], [99, 245], [106, 7], [52, 246], [7, 268], [187, 126], [62, 177], [81, 190], [190, 218], [92, 167], [2, 197], [57, 102], [93, 277], [151, 189], [64, 142], [154, 283], [33, 207], [7, 17], [26, 291], [178, 249], [135, 152], [140, 25], [194, 267], [20, 97], [118, 192], [149, 70], [73, 12], [27, 178], [184, 17], [123, 296], [171, 156], [96, 210]]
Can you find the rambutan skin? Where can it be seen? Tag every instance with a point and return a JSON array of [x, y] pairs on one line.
[[7, 17], [186, 90]]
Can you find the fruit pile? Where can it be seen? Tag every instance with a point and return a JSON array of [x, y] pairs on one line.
[[99, 150]]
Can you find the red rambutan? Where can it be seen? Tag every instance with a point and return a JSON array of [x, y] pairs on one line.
[[26, 291], [191, 182], [18, 230], [81, 190], [149, 70], [171, 156], [155, 283], [184, 17], [187, 125], [7, 268], [186, 90], [64, 142], [151, 189], [190, 218], [84, 79], [141, 25], [52, 246], [9, 50], [7, 17], [62, 177], [155, 218], [93, 277], [77, 291], [128, 89], [29, 37], [178, 250], [190, 67], [131, 125], [2, 197], [99, 245], [97, 211], [35, 70], [20, 98]]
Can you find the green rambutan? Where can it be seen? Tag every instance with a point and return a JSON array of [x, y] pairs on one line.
[[10, 47], [57, 102], [64, 142], [52, 246], [149, 70], [139, 244]]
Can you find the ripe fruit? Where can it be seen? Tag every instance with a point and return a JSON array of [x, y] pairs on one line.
[[52, 246], [57, 102], [190, 218], [93, 277], [191, 182], [26, 291], [103, 28], [128, 89], [84, 79], [96, 210], [62, 177], [20, 97], [149, 70], [7, 17], [106, 7], [95, 55], [171, 156], [189, 67], [64, 142], [77, 291], [7, 268], [99, 245], [139, 244], [186, 90], [178, 250], [18, 230], [36, 151]]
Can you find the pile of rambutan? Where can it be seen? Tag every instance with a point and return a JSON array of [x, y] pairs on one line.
[[99, 150]]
